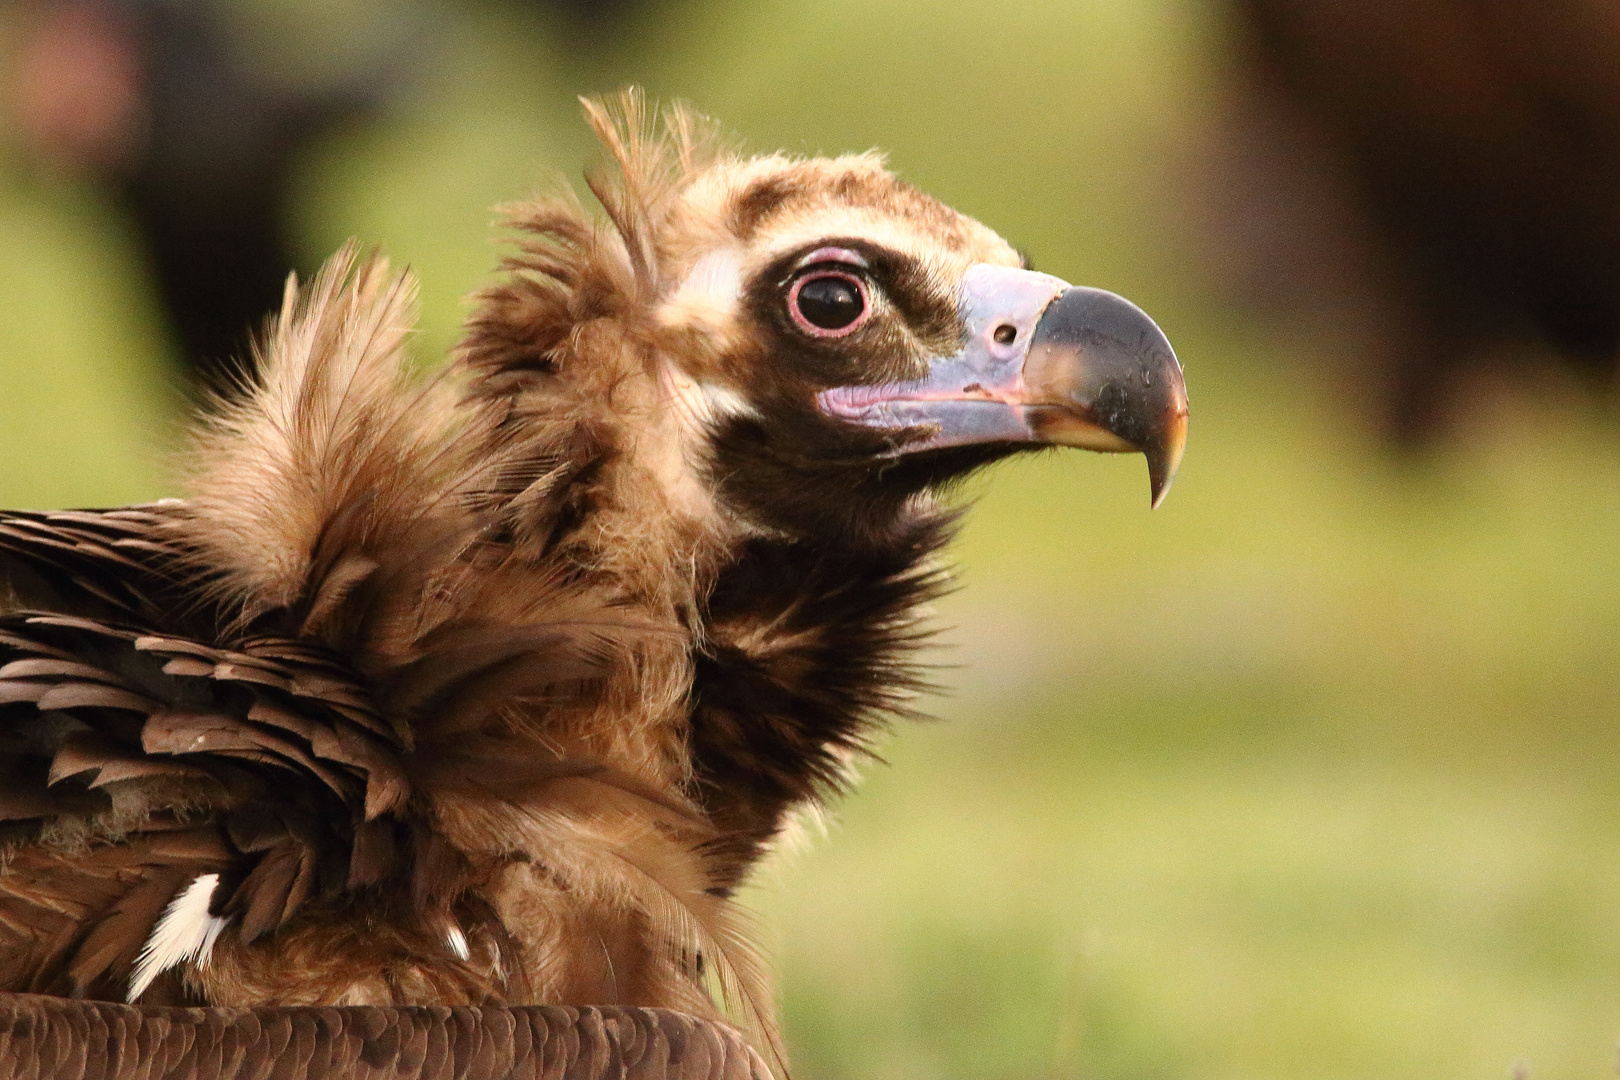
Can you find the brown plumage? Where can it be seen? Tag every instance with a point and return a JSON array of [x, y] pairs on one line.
[[485, 688], [63, 1040]]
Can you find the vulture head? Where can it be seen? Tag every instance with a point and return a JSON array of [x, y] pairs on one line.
[[484, 689], [824, 341]]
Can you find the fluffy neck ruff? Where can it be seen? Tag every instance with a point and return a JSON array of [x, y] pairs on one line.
[[797, 645]]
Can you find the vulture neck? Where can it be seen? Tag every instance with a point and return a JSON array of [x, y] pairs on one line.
[[617, 499], [784, 652]]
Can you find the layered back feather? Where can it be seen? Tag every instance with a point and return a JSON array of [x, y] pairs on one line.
[[335, 434]]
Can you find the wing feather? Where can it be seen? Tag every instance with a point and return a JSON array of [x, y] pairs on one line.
[[274, 680], [90, 714], [118, 727]]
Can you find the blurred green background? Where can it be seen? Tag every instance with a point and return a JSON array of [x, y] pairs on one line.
[[1313, 772]]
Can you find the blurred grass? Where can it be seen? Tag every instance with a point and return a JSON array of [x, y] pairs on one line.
[[1310, 773], [83, 407]]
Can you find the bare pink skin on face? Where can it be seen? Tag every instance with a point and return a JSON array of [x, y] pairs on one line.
[[979, 394]]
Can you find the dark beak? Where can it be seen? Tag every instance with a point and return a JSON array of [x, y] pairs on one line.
[[1045, 362], [1100, 373]]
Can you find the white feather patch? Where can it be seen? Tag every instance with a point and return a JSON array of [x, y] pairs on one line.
[[695, 407], [709, 295], [699, 405], [705, 302], [724, 401], [457, 942], [185, 932]]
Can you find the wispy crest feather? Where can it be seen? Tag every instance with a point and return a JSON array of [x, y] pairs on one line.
[[337, 429], [654, 153], [570, 268]]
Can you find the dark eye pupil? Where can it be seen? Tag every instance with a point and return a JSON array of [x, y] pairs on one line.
[[831, 303]]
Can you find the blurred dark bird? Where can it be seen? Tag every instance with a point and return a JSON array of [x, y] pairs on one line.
[[1478, 142], [162, 102], [488, 688]]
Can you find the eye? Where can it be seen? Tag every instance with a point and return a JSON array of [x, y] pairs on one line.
[[828, 303]]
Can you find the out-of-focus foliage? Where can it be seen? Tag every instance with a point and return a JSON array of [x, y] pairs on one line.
[[1314, 772], [82, 405]]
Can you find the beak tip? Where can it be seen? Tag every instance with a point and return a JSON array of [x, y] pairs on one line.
[[1159, 482], [1164, 459], [1157, 492]]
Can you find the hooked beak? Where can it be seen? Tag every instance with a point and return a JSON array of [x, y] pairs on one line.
[[1045, 362]]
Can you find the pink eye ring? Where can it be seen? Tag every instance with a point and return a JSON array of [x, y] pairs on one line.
[[828, 303]]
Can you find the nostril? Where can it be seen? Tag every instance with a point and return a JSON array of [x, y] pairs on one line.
[[1005, 334]]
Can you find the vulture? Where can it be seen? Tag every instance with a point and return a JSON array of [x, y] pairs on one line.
[[432, 731]]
